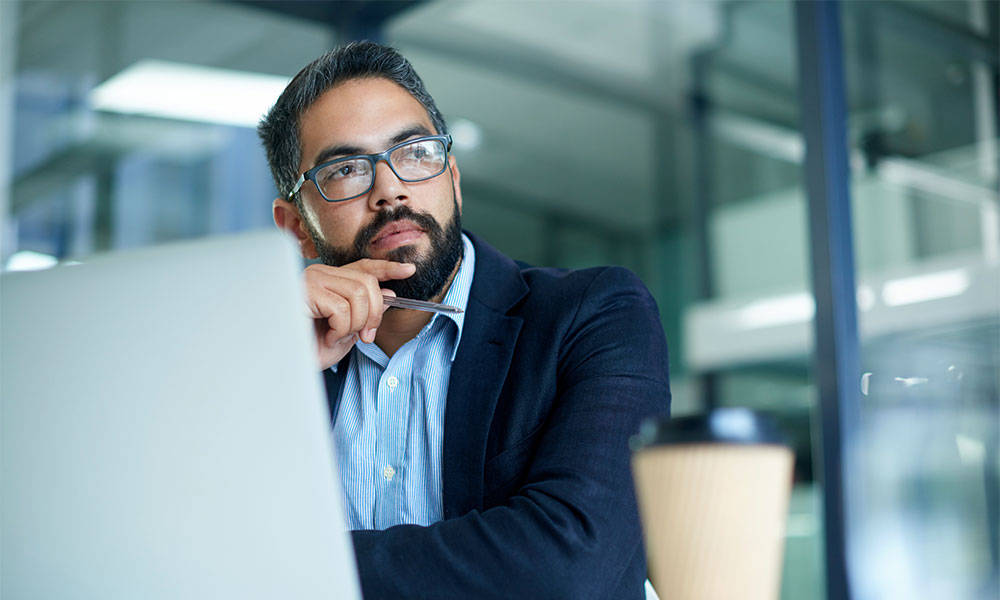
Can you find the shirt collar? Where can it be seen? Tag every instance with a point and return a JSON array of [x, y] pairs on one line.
[[458, 293]]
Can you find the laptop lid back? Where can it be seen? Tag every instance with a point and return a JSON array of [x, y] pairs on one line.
[[165, 434]]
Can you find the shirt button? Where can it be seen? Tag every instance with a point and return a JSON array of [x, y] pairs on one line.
[[392, 382], [388, 472]]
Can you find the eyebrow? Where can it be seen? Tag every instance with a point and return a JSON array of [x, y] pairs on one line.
[[340, 150]]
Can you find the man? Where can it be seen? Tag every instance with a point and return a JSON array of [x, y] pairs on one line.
[[483, 454]]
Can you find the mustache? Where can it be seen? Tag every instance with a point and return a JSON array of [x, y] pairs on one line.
[[383, 218]]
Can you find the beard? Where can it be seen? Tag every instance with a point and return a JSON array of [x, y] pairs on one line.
[[432, 271]]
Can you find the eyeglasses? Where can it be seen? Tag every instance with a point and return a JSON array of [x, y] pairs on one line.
[[352, 176]]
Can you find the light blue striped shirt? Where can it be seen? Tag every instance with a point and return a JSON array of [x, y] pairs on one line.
[[390, 422]]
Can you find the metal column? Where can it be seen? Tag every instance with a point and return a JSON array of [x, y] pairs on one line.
[[701, 209], [823, 116]]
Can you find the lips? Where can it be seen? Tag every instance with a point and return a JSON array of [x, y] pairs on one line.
[[395, 234]]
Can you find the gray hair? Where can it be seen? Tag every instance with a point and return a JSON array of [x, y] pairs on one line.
[[279, 129]]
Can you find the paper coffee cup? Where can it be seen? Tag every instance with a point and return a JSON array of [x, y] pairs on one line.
[[713, 495]]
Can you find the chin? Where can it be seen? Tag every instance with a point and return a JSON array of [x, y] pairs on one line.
[[409, 253]]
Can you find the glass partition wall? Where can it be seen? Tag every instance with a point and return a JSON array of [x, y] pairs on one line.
[[662, 136], [922, 84]]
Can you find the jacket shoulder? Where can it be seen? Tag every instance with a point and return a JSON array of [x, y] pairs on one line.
[[594, 283]]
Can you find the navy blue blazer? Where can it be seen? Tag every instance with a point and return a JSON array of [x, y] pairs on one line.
[[555, 370]]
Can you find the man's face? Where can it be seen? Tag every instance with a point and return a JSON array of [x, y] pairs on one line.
[[407, 222]]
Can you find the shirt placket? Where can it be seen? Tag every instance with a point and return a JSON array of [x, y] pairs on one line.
[[393, 408]]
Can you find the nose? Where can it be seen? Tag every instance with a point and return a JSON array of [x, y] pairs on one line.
[[387, 190]]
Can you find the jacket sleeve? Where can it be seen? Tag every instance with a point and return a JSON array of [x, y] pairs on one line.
[[571, 530]]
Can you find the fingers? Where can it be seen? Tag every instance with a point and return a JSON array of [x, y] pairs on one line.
[[349, 298], [368, 273], [344, 301], [382, 270], [371, 318]]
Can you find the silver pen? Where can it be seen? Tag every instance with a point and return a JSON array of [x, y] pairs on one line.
[[420, 305]]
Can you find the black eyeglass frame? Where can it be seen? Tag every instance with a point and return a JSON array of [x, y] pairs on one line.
[[373, 159]]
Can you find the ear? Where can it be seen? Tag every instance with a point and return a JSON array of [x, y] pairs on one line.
[[456, 181], [287, 217]]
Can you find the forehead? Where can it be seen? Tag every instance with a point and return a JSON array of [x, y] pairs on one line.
[[359, 112]]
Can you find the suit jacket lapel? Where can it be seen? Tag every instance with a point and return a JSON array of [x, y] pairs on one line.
[[477, 376], [334, 381]]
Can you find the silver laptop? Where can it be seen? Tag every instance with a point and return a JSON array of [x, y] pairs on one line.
[[164, 430]]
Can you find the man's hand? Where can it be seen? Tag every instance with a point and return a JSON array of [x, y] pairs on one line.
[[346, 303]]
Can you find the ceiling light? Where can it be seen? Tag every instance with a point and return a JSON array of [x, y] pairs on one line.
[[781, 310], [189, 92], [27, 260], [466, 134], [921, 288]]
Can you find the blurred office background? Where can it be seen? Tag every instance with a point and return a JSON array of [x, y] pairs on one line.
[[665, 136]]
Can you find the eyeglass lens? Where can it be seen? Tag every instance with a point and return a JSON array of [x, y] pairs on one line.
[[350, 177]]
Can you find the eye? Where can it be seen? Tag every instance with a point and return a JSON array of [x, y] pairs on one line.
[[342, 171], [417, 151], [333, 173]]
